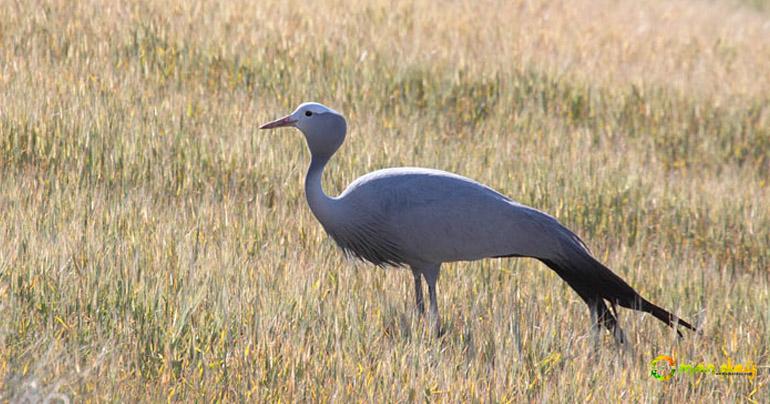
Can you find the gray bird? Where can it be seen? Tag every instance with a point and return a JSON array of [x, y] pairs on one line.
[[421, 218]]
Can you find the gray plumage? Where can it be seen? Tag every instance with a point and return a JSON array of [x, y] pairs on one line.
[[421, 218]]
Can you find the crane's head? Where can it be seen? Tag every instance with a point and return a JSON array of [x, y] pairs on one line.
[[323, 127]]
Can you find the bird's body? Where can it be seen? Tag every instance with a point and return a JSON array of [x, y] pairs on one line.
[[421, 218], [410, 207]]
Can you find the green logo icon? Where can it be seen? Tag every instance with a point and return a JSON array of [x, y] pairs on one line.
[[663, 367]]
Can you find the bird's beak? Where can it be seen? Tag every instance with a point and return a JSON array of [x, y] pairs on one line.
[[285, 121]]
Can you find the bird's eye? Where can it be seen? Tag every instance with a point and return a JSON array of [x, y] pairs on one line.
[[308, 113]]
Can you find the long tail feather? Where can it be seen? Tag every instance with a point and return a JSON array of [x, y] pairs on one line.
[[594, 281], [664, 316]]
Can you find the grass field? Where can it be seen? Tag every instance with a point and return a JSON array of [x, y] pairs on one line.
[[154, 245]]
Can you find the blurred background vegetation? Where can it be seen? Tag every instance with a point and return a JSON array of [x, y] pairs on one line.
[[155, 246]]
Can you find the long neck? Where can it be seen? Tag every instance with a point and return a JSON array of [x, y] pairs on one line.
[[319, 202]]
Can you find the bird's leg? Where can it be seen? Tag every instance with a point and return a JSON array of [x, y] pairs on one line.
[[595, 326], [617, 332], [431, 277], [601, 316], [620, 337], [418, 291]]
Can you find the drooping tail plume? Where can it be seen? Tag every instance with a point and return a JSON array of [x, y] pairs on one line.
[[595, 283]]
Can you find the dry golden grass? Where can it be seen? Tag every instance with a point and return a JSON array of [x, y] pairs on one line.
[[154, 245]]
